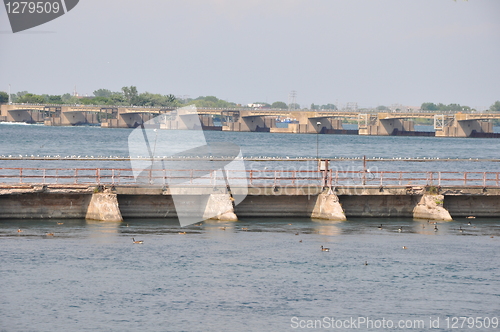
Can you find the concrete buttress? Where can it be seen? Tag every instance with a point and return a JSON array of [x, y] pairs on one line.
[[220, 207], [431, 207], [104, 207], [328, 207]]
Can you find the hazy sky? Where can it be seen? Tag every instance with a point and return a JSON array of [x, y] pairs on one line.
[[373, 52]]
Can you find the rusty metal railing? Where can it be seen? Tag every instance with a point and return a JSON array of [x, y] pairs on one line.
[[261, 178]]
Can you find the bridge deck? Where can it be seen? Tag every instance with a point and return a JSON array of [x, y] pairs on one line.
[[256, 112]]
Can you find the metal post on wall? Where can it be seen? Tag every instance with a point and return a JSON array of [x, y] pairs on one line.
[[364, 170], [317, 139]]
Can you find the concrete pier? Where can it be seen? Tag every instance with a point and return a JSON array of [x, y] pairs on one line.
[[383, 124], [220, 207], [328, 207], [256, 123], [104, 207], [430, 207], [462, 125]]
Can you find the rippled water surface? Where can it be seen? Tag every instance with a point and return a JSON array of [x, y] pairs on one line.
[[253, 275]]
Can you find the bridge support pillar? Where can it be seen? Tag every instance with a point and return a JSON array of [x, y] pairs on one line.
[[104, 207], [206, 120], [186, 120], [430, 207], [255, 123], [328, 207], [312, 126], [26, 116], [460, 126], [383, 124], [73, 118], [130, 120], [220, 207]]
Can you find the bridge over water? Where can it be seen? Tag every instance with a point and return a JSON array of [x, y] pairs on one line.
[[252, 120]]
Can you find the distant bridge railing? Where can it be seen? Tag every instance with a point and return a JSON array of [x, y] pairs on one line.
[[361, 110], [252, 178]]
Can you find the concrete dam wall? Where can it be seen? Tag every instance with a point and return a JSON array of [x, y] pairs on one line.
[[78, 202]]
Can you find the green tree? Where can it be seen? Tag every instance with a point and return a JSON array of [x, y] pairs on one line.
[[279, 104], [103, 93], [328, 107], [69, 99], [30, 98], [117, 98], [155, 99], [15, 96], [453, 107], [429, 107], [444, 108], [382, 108], [94, 101], [171, 98], [21, 93], [4, 97], [495, 107], [314, 107], [130, 94], [211, 101], [151, 99], [53, 99]]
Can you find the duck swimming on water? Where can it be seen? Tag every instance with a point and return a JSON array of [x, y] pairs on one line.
[[324, 249], [137, 242]]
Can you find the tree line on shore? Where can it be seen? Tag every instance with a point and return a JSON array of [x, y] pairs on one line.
[[129, 96]]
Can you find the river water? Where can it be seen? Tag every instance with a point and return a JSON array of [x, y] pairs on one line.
[[256, 274], [39, 140]]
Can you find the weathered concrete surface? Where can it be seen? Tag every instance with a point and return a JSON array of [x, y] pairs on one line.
[[276, 206], [431, 207], [374, 206], [478, 206], [48, 189], [146, 206], [27, 201], [460, 127], [104, 207], [44, 206], [220, 207], [383, 124], [328, 207]]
